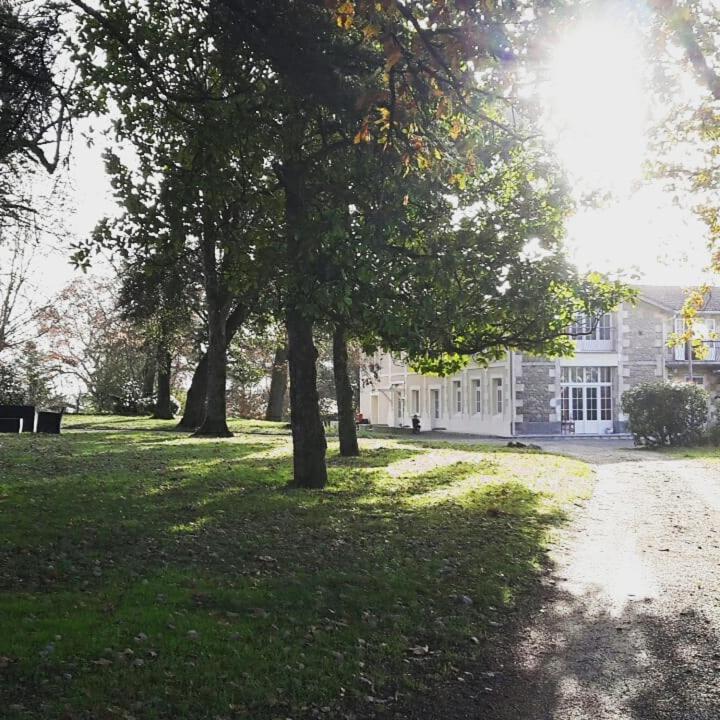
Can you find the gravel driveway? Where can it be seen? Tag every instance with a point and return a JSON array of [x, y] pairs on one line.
[[629, 626]]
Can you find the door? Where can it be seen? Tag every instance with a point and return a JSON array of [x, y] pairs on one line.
[[586, 399], [434, 408]]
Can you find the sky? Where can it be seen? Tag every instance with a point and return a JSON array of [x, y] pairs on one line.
[[598, 116]]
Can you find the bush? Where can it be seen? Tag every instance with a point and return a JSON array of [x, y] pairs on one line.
[[662, 413]]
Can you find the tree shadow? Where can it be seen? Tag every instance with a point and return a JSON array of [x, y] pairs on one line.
[[574, 660], [119, 537]]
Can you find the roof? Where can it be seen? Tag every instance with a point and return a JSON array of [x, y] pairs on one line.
[[672, 297]]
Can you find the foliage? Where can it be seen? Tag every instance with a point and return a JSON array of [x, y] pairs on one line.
[[90, 342], [663, 413], [12, 391], [36, 91], [194, 576]]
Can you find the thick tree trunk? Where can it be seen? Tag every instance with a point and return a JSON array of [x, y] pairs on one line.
[[215, 421], [194, 411], [309, 445], [163, 411], [278, 385], [347, 430]]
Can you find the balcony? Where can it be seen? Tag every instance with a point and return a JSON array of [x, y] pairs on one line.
[[597, 342], [681, 355]]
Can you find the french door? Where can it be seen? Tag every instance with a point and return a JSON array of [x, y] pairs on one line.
[[586, 398]]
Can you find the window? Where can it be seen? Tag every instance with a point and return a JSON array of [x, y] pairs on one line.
[[605, 402], [585, 375], [401, 406], [582, 328], [477, 395], [697, 379], [435, 403], [415, 396], [457, 394], [497, 395]]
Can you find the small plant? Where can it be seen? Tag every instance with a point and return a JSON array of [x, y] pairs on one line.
[[662, 413]]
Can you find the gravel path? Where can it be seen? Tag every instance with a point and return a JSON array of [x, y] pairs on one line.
[[632, 626], [629, 627]]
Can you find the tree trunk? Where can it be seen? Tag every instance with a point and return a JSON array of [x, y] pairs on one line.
[[214, 423], [344, 396], [309, 445], [194, 411], [278, 385], [148, 389], [163, 411]]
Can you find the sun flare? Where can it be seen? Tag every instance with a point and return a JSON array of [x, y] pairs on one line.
[[596, 104]]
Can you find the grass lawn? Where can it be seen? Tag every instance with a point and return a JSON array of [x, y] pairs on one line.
[[147, 574]]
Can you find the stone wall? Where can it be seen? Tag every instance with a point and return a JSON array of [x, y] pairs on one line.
[[644, 335], [536, 393]]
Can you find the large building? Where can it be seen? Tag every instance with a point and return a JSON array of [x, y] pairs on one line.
[[527, 395]]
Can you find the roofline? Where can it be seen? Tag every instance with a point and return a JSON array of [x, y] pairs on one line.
[[657, 304]]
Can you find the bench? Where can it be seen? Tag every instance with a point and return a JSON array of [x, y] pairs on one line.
[[49, 422], [11, 425], [25, 412]]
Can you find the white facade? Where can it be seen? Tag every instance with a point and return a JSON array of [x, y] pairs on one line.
[[475, 400], [523, 394]]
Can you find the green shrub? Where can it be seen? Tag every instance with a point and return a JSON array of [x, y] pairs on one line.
[[662, 413]]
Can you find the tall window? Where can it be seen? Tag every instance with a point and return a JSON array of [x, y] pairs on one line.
[[435, 403], [497, 386], [400, 406], [415, 395], [583, 328], [457, 394], [477, 395]]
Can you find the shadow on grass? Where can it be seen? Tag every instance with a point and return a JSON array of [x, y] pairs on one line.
[[244, 593]]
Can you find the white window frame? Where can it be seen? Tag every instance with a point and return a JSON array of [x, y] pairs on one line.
[[457, 397], [477, 386], [435, 409], [498, 396], [415, 401]]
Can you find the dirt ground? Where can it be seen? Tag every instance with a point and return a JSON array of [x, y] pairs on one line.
[[629, 624]]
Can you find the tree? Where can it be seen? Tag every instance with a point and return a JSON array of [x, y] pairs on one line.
[[37, 104], [303, 89], [187, 117], [278, 385], [89, 341], [19, 308], [160, 296], [692, 27], [345, 395]]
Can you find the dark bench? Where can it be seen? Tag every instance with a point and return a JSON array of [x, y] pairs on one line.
[[49, 422], [11, 425], [26, 412]]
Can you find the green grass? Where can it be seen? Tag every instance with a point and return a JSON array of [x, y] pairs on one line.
[[147, 574], [702, 452]]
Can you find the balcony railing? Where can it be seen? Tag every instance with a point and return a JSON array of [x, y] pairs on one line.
[[588, 343], [682, 353]]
